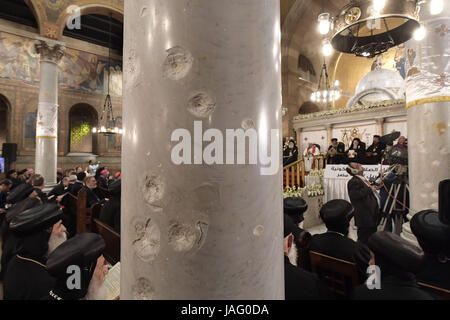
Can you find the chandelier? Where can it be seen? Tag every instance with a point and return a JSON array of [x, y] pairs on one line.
[[367, 28], [326, 94], [108, 123]]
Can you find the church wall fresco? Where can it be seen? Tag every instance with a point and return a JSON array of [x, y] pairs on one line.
[[83, 79]]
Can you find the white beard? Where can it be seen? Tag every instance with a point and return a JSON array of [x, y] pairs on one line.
[[293, 254], [96, 291], [55, 241]]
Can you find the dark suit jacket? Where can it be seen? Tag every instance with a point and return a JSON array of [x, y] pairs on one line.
[[91, 198], [303, 285], [75, 188], [57, 191], [393, 288], [378, 149], [367, 212], [340, 247]]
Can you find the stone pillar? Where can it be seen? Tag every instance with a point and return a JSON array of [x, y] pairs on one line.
[[329, 137], [380, 126], [51, 53], [201, 231], [428, 109]]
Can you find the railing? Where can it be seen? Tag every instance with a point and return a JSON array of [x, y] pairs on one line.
[[294, 173]]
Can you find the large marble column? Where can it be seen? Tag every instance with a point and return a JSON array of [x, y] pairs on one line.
[[428, 109], [51, 53], [198, 231]]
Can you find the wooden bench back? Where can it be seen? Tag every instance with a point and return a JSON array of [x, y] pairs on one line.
[[338, 275], [112, 241], [440, 292]]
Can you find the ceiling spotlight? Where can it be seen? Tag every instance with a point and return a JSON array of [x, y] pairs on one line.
[[420, 33], [436, 7], [378, 5], [327, 49]]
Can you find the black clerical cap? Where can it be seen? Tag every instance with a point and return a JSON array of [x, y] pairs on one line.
[[35, 219], [289, 226], [295, 208], [432, 234], [19, 193], [444, 201], [22, 206], [396, 251], [336, 211], [83, 249], [115, 187]]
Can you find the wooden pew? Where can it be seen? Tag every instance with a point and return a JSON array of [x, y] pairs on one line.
[[338, 275], [435, 291], [303, 245], [86, 215], [112, 240]]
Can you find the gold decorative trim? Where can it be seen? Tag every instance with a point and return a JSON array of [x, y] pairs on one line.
[[31, 260], [427, 100], [46, 137]]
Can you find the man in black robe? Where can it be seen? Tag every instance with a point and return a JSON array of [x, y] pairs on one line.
[[110, 213], [356, 152], [290, 154], [399, 261], [26, 276], [375, 152], [60, 189], [335, 242], [5, 186], [366, 201], [434, 238], [335, 152], [91, 196], [83, 251], [299, 284]]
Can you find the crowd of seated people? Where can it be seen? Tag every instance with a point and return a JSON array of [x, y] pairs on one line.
[[403, 271], [358, 151], [35, 222]]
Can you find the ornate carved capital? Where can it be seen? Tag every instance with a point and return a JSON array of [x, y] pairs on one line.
[[50, 51]]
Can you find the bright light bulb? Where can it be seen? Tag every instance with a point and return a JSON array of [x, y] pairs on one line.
[[327, 49], [324, 23], [436, 7], [420, 33], [94, 130], [103, 129], [337, 83], [378, 5]]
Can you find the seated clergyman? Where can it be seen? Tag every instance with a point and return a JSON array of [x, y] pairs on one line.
[[79, 269], [40, 231], [398, 261], [434, 238], [299, 284], [336, 214]]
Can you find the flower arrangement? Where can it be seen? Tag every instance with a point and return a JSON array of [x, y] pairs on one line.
[[317, 173], [315, 190], [293, 192]]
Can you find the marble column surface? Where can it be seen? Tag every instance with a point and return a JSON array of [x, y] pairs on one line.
[[199, 231], [51, 53], [428, 109]]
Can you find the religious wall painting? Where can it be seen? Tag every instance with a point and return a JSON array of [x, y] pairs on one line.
[[18, 59], [88, 72]]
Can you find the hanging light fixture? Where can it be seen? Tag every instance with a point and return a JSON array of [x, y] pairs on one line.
[[326, 94], [324, 23], [108, 123], [368, 28]]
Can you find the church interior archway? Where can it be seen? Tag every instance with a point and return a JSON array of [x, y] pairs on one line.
[[4, 121]]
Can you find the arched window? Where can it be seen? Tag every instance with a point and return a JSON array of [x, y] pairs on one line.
[[306, 69], [82, 118]]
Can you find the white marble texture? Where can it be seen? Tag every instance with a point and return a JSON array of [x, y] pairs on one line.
[[198, 231]]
